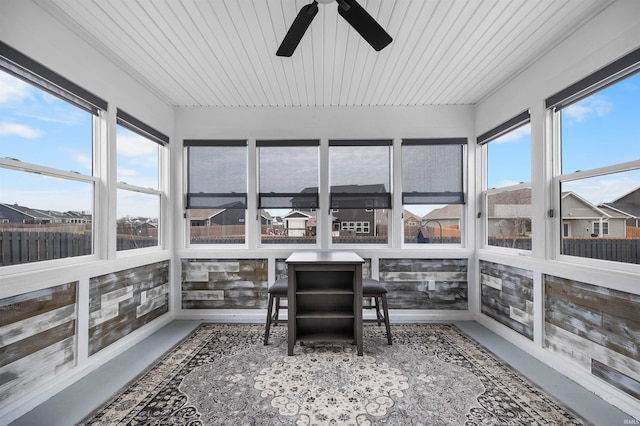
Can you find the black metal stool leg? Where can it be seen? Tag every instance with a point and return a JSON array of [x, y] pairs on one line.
[[386, 317], [268, 325]]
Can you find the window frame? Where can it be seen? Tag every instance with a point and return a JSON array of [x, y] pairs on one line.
[[187, 143], [609, 75], [516, 122], [388, 196], [284, 143], [43, 78], [463, 195], [136, 126]]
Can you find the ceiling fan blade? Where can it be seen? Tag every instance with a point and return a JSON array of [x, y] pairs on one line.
[[297, 29], [364, 24]]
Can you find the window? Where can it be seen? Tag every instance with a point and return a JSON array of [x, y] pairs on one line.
[[216, 191], [138, 196], [47, 181], [360, 179], [288, 191], [432, 190], [507, 194], [598, 175]]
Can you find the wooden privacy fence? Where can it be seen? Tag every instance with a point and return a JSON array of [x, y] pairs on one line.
[[17, 247], [23, 247]]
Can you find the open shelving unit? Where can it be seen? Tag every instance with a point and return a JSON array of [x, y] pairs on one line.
[[325, 297]]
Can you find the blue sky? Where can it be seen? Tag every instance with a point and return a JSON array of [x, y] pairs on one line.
[[36, 127]]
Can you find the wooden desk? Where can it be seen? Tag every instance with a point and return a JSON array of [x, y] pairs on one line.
[[325, 297]]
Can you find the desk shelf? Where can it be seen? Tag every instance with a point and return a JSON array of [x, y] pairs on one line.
[[325, 298]]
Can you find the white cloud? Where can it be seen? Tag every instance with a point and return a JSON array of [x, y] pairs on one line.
[[594, 106], [7, 129], [132, 145], [604, 189], [13, 89]]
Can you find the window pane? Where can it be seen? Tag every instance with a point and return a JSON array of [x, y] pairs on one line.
[[289, 184], [43, 217], [137, 220], [432, 224], [601, 217], [217, 177], [217, 226], [283, 226], [602, 129], [360, 226], [38, 128], [509, 219], [509, 158], [360, 176], [137, 159], [432, 174]]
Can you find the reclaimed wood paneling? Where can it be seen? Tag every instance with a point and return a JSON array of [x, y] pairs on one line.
[[597, 328], [37, 339], [425, 283], [507, 296], [224, 283], [123, 301]]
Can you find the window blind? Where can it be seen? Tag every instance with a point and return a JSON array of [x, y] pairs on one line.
[[360, 172], [137, 126], [600, 79], [432, 171], [288, 174], [216, 174], [25, 68], [509, 125]]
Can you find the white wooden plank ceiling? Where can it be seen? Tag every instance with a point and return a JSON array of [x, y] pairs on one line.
[[222, 52]]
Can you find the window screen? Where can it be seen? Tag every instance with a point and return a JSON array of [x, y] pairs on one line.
[[432, 171], [216, 174], [288, 174], [360, 174]]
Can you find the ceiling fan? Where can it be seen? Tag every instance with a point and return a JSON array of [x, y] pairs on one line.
[[350, 10]]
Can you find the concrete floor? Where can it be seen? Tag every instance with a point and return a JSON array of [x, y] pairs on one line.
[[78, 400]]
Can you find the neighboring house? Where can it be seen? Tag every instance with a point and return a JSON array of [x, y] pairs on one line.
[[440, 223], [582, 219], [627, 206], [509, 213], [362, 222], [228, 216], [299, 223], [14, 213]]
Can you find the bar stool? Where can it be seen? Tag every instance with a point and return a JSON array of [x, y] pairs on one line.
[[377, 290], [278, 290]]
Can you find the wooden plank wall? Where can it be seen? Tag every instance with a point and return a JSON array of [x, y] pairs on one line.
[[121, 302], [507, 296], [37, 339], [595, 327], [224, 283], [425, 283]]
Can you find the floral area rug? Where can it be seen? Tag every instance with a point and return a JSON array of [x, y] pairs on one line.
[[433, 374]]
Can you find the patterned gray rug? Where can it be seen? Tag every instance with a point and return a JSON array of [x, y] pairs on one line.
[[433, 374]]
